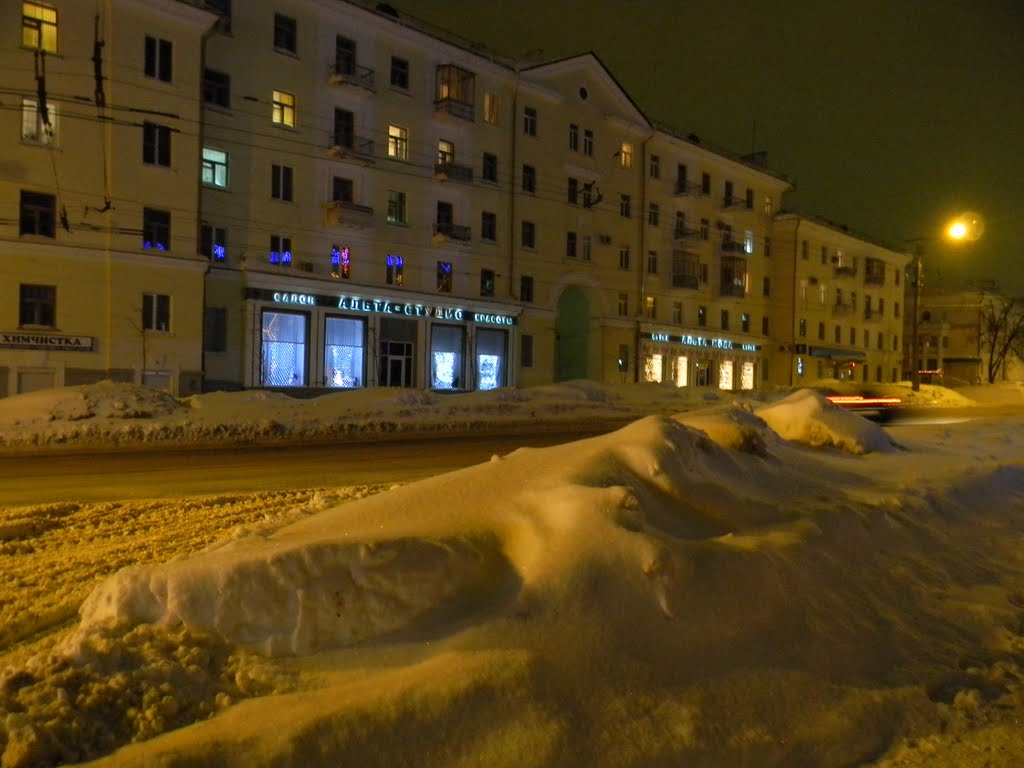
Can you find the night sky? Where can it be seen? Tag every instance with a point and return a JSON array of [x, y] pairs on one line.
[[889, 116]]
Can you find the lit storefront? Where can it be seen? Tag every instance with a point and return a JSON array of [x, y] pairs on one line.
[[820, 362], [685, 360], [346, 341]]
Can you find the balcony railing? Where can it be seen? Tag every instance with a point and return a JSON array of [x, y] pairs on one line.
[[346, 212], [363, 77], [453, 231], [682, 187], [684, 281], [733, 201], [732, 246], [455, 108], [350, 146], [732, 288], [684, 233], [454, 172], [844, 270], [842, 308]]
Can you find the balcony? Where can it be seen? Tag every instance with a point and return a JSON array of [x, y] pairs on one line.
[[733, 201], [732, 246], [345, 213], [685, 281], [445, 171], [844, 270], [355, 147], [843, 309], [454, 91], [684, 233], [455, 108], [732, 288], [353, 75], [444, 230], [682, 187]]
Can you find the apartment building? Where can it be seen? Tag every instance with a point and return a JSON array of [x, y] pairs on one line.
[[837, 310], [310, 196], [99, 273]]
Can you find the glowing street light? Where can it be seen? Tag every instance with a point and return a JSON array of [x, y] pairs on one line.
[[967, 227]]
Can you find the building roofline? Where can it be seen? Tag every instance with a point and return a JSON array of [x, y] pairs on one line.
[[839, 227]]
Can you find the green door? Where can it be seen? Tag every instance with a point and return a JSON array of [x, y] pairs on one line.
[[572, 329]]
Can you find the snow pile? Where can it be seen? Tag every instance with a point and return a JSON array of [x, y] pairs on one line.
[[807, 417]]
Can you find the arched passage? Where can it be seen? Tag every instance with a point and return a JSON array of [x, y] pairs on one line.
[[572, 327]]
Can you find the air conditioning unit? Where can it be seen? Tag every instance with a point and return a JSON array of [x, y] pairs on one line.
[[605, 239]]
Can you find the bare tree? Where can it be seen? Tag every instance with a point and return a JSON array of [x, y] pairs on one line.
[[1002, 331]]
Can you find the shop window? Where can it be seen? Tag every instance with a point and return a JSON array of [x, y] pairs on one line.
[[447, 344], [491, 358], [344, 352], [158, 59], [156, 312], [653, 368], [725, 374], [747, 375], [284, 349], [37, 306], [156, 229], [682, 371]]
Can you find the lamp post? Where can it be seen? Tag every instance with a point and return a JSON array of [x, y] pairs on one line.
[[966, 226]]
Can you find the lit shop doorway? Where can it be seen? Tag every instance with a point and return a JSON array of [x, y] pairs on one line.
[[397, 353], [284, 350], [572, 329]]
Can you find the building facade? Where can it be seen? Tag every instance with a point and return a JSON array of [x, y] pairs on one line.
[[311, 196]]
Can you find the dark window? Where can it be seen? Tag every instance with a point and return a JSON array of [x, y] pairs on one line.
[[285, 33], [156, 229], [574, 191], [702, 316], [486, 282], [215, 329], [213, 242], [344, 128], [38, 214], [156, 312], [764, 325], [526, 288], [342, 189], [750, 199], [158, 59], [281, 182], [529, 121], [490, 167], [705, 183], [529, 235], [156, 144], [570, 245], [216, 88], [344, 56], [529, 179], [574, 137], [399, 73], [488, 226], [38, 305], [526, 351]]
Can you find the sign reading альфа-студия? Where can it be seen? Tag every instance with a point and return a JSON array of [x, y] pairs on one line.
[[39, 340], [382, 306]]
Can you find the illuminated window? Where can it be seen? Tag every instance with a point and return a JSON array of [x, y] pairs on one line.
[[393, 275], [445, 152], [748, 242], [398, 142], [283, 361], [283, 108], [158, 59], [213, 242], [626, 155], [215, 167], [156, 312], [682, 371], [651, 308], [156, 229], [341, 263], [281, 250], [34, 127], [490, 108], [344, 351], [39, 27], [444, 277]]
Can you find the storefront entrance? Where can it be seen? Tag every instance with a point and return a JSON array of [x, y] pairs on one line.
[[397, 353], [572, 329]]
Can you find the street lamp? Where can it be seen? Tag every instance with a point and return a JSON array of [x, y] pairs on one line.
[[967, 226]]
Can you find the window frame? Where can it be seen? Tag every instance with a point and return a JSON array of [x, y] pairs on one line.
[[157, 313], [156, 222], [43, 210], [158, 59], [282, 187], [398, 142], [39, 26], [282, 104], [213, 165], [400, 71], [43, 306], [286, 34], [156, 144], [216, 88]]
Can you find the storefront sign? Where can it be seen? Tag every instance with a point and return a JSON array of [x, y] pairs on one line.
[[710, 342], [56, 341], [383, 307]]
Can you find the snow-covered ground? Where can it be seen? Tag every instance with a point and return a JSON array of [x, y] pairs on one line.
[[725, 581]]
